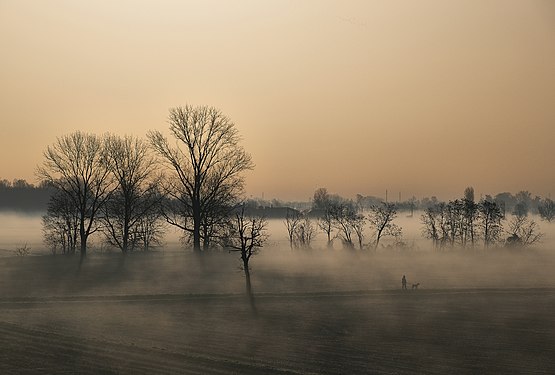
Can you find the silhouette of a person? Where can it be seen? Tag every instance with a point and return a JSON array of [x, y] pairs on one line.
[[404, 282]]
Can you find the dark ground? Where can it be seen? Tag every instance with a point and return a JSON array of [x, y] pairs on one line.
[[327, 315]]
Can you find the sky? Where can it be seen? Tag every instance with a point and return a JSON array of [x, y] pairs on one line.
[[420, 98]]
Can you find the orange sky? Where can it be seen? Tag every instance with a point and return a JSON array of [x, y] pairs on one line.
[[422, 97]]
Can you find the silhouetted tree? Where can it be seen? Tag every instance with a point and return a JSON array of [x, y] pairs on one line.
[[470, 209], [432, 222], [523, 202], [325, 223], [292, 221], [206, 165], [246, 235], [60, 224], [214, 221], [304, 232], [546, 209], [148, 231], [135, 196], [77, 165], [325, 205], [358, 227], [523, 231], [456, 221], [381, 221], [490, 221], [343, 214], [321, 199]]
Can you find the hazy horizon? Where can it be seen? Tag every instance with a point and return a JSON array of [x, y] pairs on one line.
[[423, 98]]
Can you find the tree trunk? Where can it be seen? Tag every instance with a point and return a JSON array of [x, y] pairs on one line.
[[248, 285], [125, 241], [330, 244], [83, 236], [83, 252], [196, 227], [378, 235], [206, 238]]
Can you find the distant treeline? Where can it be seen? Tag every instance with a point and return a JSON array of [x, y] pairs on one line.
[[20, 195], [522, 203]]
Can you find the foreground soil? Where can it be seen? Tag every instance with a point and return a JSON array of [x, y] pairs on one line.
[[325, 330]]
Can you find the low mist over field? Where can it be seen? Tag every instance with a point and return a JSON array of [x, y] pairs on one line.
[[317, 312]]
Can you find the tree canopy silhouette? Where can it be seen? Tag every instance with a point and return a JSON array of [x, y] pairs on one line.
[[77, 165], [206, 164]]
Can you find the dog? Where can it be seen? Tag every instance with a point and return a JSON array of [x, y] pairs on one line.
[[415, 286]]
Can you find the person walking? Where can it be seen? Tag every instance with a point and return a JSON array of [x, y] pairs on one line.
[[404, 282]]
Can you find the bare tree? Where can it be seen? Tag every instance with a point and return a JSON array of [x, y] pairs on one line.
[[60, 224], [546, 208], [358, 226], [381, 220], [431, 221], [490, 221], [246, 235], [206, 164], [136, 196], [455, 222], [345, 216], [523, 231], [470, 214], [325, 223], [148, 231], [292, 221], [77, 165], [305, 232]]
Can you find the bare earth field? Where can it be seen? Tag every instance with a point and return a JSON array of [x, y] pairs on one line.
[[323, 313]]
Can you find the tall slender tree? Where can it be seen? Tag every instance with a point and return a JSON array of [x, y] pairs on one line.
[[206, 164], [490, 221], [381, 220]]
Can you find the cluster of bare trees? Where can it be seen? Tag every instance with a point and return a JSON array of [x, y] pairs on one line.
[[128, 189], [546, 209], [300, 229], [341, 219], [102, 184], [465, 223]]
